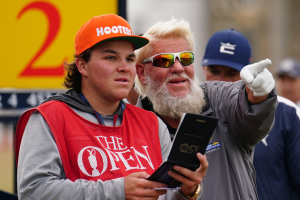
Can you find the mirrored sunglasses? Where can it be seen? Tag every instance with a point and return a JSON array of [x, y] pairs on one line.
[[166, 60]]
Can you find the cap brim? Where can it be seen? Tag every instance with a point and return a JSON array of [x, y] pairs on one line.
[[227, 63], [137, 41], [292, 75]]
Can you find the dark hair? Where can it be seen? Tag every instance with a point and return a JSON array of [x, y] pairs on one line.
[[73, 78]]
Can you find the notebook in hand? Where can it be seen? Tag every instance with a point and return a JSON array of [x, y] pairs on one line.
[[192, 136]]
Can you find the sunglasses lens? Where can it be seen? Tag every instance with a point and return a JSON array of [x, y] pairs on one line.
[[163, 60], [187, 58]]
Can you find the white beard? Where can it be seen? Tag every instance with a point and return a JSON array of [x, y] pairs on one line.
[[174, 106]]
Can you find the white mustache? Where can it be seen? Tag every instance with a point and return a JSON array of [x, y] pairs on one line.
[[181, 75]]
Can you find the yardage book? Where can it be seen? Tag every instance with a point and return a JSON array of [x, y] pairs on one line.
[[192, 136]]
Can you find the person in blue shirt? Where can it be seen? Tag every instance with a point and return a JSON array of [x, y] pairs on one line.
[[289, 79], [277, 156]]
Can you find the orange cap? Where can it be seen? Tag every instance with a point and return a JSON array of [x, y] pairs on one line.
[[106, 28]]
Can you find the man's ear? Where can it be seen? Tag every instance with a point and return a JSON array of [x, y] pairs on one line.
[[140, 71], [81, 66]]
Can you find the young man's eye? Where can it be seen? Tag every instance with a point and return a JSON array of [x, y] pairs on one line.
[[110, 58], [130, 59]]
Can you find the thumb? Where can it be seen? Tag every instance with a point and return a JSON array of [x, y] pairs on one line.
[[259, 66]]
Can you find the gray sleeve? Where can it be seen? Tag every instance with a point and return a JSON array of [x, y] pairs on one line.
[[41, 175], [165, 140], [164, 135], [248, 123]]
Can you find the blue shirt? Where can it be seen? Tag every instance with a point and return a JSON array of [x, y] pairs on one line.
[[277, 157]]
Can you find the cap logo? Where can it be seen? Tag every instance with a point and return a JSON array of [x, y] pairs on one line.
[[227, 47], [115, 29], [288, 65]]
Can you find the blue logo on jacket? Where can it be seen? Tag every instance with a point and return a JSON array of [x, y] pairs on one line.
[[212, 146]]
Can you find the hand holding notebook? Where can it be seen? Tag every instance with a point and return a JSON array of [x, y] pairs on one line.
[[192, 136]]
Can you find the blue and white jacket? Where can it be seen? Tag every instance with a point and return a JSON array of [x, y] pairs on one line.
[[277, 156]]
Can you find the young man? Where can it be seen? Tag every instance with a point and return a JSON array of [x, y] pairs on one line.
[[277, 156], [87, 143], [289, 79], [167, 83]]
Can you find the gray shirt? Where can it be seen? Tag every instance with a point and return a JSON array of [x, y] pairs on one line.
[[231, 175]]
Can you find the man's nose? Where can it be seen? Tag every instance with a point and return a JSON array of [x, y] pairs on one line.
[[223, 77], [177, 67]]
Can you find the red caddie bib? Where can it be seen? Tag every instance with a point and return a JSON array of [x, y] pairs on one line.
[[91, 151]]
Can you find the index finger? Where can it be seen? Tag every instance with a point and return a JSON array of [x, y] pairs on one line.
[[203, 161], [259, 66]]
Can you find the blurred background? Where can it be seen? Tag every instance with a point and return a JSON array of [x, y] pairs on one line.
[[38, 36], [272, 26]]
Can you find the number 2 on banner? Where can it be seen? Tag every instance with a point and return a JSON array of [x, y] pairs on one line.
[[54, 23]]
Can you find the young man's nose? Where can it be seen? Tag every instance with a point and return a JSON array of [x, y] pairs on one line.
[[123, 66]]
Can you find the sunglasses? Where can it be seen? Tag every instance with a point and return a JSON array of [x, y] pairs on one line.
[[167, 60]]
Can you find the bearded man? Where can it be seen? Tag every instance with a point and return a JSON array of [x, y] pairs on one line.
[[168, 86]]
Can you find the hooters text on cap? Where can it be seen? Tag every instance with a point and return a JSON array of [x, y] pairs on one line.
[[114, 29]]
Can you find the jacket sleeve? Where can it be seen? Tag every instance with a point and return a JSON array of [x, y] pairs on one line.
[[41, 175], [165, 140], [292, 148], [247, 123]]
